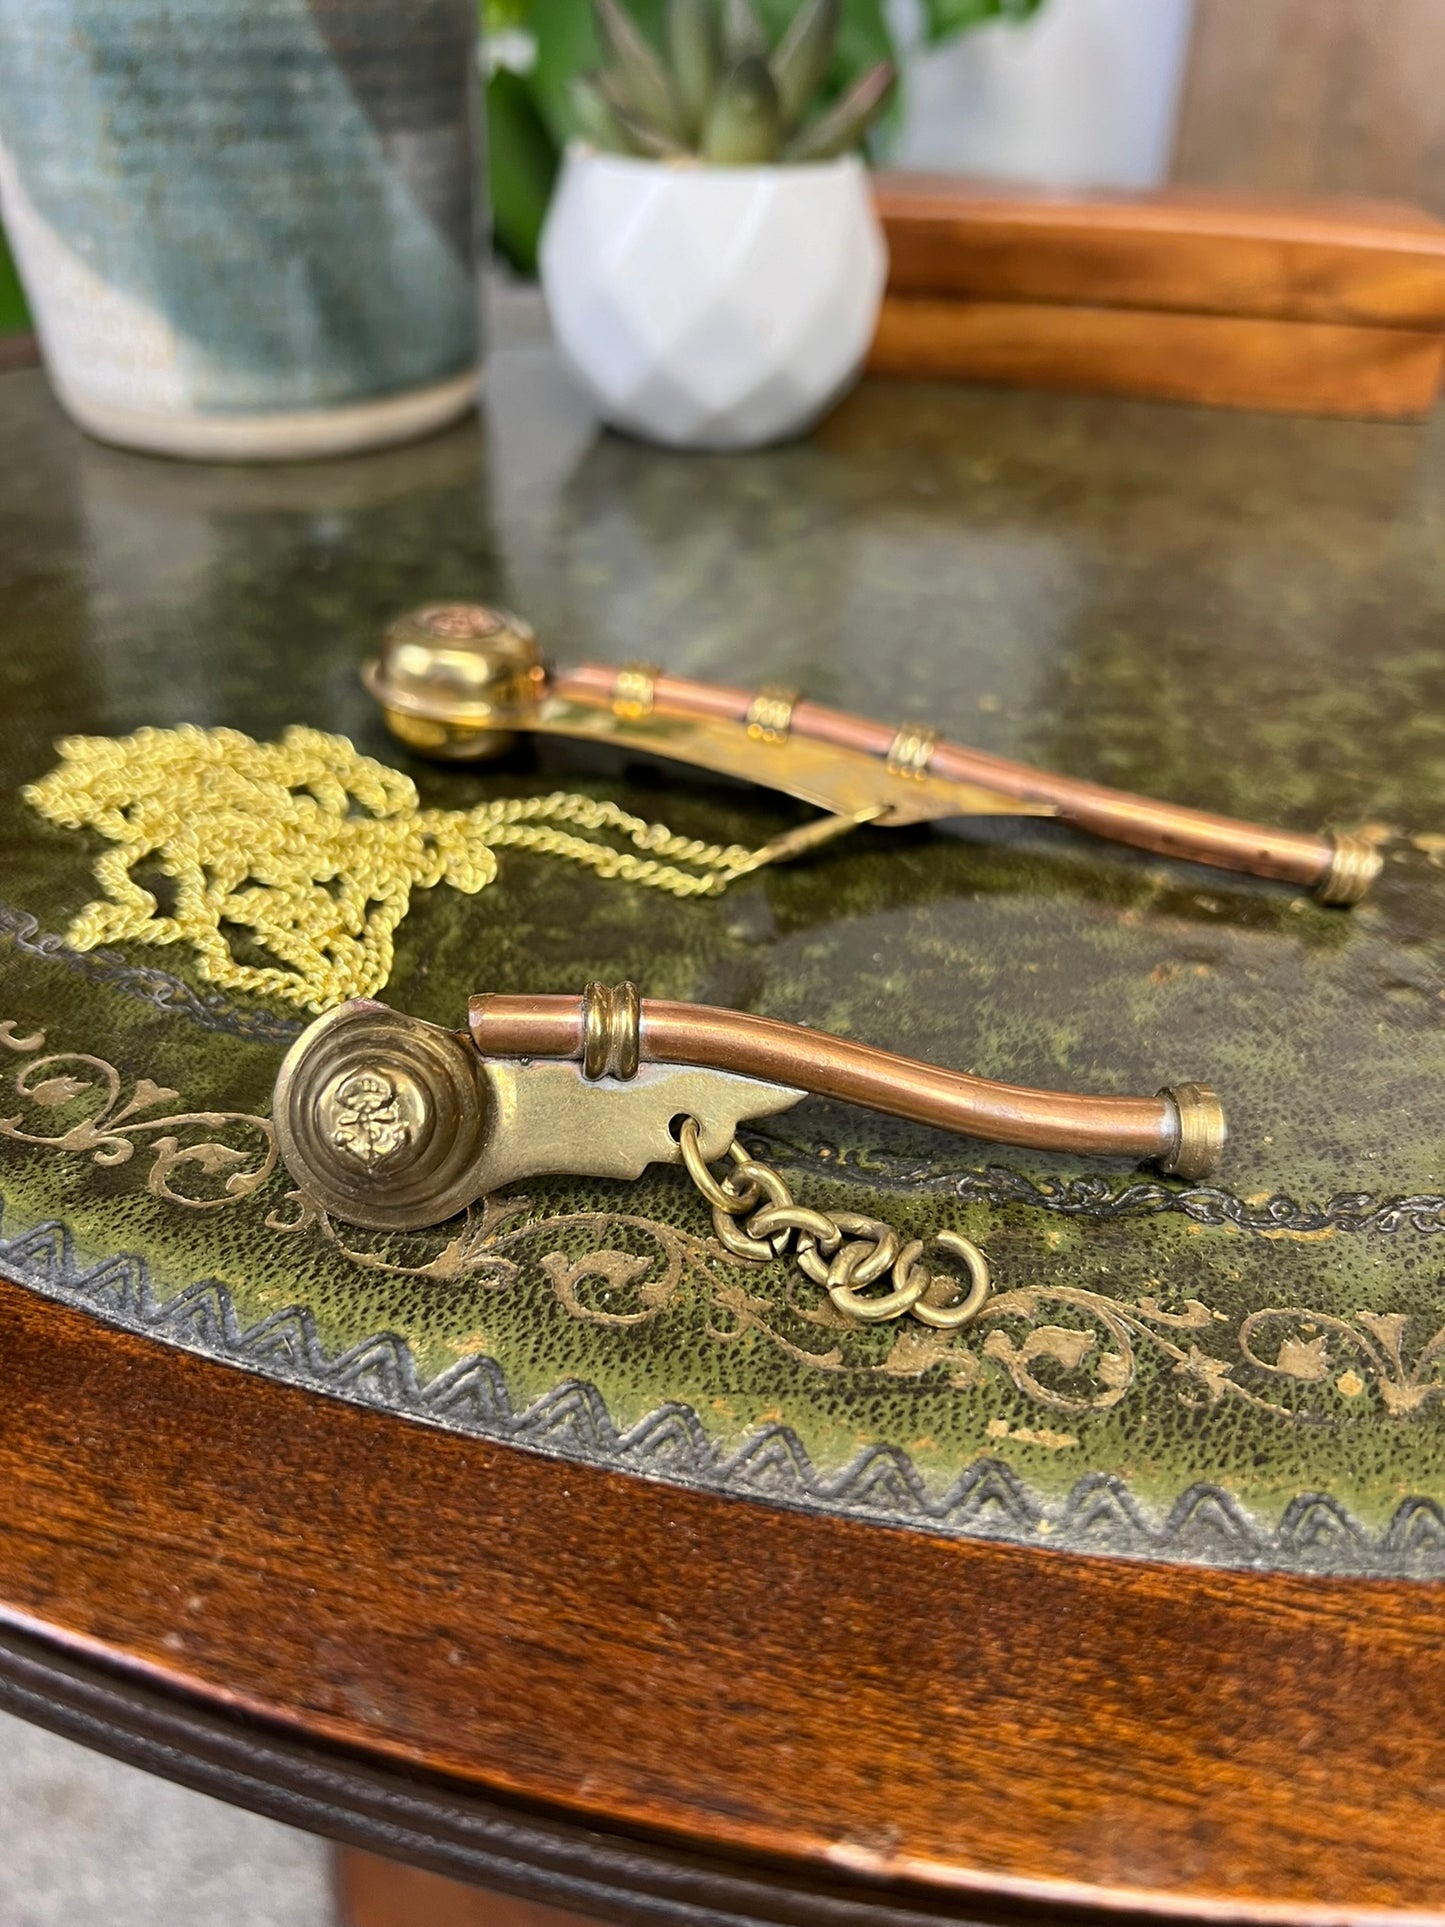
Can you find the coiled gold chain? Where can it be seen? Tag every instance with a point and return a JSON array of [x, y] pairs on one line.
[[312, 851], [756, 1218]]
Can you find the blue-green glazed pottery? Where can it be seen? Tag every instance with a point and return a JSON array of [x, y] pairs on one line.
[[245, 227]]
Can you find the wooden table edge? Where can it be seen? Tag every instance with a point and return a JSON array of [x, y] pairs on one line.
[[200, 1742], [295, 1765]]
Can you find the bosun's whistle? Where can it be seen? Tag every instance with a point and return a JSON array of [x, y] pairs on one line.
[[393, 1123], [459, 681]]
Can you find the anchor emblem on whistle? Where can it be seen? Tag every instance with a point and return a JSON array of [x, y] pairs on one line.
[[371, 1116]]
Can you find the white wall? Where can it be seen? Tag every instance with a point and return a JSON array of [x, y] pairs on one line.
[[1086, 94]]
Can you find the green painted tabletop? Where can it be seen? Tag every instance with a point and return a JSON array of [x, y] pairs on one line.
[[1233, 611]]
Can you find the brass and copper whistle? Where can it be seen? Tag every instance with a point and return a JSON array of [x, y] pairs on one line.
[[386, 1121], [459, 681]]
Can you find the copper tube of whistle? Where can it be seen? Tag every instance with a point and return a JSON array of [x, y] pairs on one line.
[[1339, 869], [1181, 1130]]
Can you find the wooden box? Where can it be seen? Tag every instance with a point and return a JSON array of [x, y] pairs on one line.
[[1320, 307]]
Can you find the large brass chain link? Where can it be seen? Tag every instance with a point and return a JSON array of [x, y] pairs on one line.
[[756, 1218]]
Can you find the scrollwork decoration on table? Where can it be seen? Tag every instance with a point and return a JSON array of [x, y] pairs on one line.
[[115, 1126], [1085, 1367], [1067, 1349]]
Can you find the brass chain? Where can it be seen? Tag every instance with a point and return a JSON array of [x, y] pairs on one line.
[[527, 823], [756, 1218], [312, 851]]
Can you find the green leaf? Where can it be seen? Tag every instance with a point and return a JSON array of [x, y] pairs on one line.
[[636, 74], [743, 34], [944, 19], [503, 16], [645, 137], [596, 119], [803, 56], [14, 316], [566, 47], [744, 126], [521, 167], [695, 52], [847, 120]]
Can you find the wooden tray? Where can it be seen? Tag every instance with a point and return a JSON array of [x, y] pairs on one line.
[[1323, 307]]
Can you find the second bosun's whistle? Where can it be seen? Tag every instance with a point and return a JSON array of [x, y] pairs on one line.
[[458, 681]]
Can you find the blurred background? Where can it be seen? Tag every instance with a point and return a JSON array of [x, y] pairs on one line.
[[1297, 97], [1334, 96]]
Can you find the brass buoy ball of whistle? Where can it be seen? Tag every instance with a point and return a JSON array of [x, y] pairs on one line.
[[454, 678], [381, 1118]]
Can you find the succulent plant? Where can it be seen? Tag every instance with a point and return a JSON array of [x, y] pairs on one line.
[[721, 94]]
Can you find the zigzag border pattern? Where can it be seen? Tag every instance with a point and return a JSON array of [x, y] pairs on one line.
[[1205, 1525], [207, 1008]]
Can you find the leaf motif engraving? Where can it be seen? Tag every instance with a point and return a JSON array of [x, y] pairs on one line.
[[619, 1269], [116, 1127]]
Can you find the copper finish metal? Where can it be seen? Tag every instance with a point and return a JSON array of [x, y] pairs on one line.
[[456, 681], [386, 1121], [842, 782], [1313, 862], [1181, 1130]]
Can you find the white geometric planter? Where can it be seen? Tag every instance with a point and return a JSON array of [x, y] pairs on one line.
[[712, 307]]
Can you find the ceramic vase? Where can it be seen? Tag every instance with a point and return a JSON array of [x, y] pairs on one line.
[[712, 307], [245, 227]]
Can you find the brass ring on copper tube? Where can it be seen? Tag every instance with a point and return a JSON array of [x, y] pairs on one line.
[[1202, 1132], [911, 750], [1354, 867], [1181, 1129], [770, 714], [635, 691], [611, 1031]]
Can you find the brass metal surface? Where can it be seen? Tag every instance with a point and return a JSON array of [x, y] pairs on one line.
[[394, 1124], [842, 782], [634, 690], [384, 1120], [770, 714], [1200, 1132], [1353, 868], [447, 697], [454, 680], [611, 1020], [843, 1251], [1162, 1129], [804, 839], [911, 751], [551, 1119]]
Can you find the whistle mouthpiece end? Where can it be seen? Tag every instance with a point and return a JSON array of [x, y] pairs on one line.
[[1200, 1132], [1354, 867]]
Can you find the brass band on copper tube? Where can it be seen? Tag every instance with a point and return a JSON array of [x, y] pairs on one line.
[[1182, 1130], [1339, 869]]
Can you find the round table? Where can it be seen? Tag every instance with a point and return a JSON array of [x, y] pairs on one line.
[[1137, 1610]]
